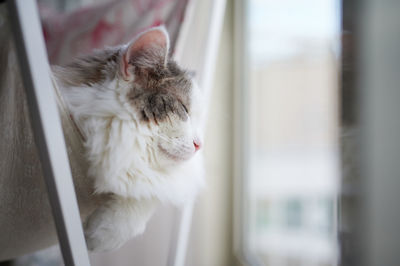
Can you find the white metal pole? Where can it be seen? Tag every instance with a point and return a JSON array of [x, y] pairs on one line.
[[47, 129]]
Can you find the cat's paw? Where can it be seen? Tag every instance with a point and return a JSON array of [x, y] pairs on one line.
[[108, 228], [100, 234]]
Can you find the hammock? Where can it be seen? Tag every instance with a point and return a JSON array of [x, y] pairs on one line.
[[26, 222]]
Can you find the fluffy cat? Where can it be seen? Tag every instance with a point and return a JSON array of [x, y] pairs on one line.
[[139, 115]]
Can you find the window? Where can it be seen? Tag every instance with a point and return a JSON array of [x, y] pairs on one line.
[[289, 131]]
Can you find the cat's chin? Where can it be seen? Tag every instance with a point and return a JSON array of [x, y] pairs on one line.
[[181, 157]]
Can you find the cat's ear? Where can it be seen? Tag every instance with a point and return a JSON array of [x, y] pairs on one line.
[[147, 50]]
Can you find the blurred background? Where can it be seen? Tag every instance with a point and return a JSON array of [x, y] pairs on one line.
[[280, 128], [300, 105]]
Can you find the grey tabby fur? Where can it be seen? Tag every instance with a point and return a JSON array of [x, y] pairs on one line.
[[158, 88]]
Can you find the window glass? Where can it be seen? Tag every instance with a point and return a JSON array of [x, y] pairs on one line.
[[293, 175]]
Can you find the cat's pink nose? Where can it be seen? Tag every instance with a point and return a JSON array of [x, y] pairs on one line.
[[197, 145]]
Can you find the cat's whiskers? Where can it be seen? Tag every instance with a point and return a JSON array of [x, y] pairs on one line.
[[171, 140], [178, 146]]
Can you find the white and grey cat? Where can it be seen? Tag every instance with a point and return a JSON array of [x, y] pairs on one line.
[[140, 116]]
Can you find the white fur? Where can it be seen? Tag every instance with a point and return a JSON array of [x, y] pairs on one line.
[[112, 225], [125, 160]]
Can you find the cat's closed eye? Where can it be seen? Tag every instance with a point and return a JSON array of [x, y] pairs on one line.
[[185, 108]]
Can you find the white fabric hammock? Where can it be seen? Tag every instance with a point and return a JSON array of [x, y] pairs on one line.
[[26, 221]]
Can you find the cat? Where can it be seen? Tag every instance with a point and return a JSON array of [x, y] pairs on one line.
[[140, 117]]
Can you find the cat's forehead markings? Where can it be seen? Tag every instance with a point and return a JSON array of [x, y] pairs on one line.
[[159, 91]]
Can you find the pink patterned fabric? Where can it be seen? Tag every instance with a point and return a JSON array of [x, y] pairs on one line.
[[106, 24]]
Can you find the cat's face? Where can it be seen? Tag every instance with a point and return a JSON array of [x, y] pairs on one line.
[[138, 81], [163, 97]]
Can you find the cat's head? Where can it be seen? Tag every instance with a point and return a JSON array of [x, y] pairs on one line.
[[139, 81], [163, 96]]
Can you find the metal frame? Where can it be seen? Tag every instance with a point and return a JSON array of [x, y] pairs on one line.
[[32, 58]]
